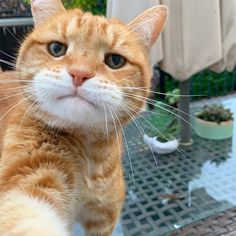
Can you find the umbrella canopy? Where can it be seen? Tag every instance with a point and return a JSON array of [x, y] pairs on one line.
[[199, 34], [228, 32], [192, 38]]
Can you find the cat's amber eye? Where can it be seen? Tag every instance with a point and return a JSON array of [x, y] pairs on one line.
[[57, 49], [115, 61]]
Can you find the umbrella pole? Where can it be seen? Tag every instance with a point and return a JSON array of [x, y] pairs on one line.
[[184, 105]]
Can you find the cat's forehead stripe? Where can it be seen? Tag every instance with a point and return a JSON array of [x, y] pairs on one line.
[[72, 25], [89, 28]]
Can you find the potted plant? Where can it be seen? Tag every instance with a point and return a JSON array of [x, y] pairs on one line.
[[165, 141], [214, 122]]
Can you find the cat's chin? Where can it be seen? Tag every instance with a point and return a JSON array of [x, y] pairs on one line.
[[76, 98], [61, 123]]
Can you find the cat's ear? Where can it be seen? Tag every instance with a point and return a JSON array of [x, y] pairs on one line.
[[42, 10], [149, 24]]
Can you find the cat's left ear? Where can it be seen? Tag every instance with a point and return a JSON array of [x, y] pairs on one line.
[[149, 24], [42, 10]]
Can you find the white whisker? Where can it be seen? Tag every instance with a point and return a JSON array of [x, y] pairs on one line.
[[106, 124], [126, 144], [18, 103], [155, 92], [140, 129], [140, 98]]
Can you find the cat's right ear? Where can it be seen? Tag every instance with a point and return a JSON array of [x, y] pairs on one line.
[[150, 24], [42, 10]]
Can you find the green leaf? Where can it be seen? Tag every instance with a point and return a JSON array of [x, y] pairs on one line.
[[95, 6]]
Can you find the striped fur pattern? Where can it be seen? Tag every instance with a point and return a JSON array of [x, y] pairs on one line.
[[61, 143]]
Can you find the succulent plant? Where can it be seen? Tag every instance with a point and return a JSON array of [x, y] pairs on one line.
[[215, 113]]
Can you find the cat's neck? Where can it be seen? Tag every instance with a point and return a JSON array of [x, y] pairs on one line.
[[95, 143]]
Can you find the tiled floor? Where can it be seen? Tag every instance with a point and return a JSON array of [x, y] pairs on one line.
[[189, 185], [222, 224], [201, 179]]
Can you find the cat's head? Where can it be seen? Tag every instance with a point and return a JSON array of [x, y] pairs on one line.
[[84, 69]]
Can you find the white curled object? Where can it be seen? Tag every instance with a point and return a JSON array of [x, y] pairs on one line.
[[159, 147]]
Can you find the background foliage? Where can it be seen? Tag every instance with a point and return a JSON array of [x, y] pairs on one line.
[[206, 84], [95, 6]]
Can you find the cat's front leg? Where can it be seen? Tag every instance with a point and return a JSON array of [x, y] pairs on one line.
[[100, 220]]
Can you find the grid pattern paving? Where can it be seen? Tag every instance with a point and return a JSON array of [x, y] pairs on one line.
[[158, 196], [224, 224]]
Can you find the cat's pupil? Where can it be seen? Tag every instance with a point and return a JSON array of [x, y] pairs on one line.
[[115, 61], [57, 49]]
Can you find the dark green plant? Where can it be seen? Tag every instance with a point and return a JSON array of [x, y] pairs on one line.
[[206, 84], [169, 132], [94, 6], [215, 113], [166, 125]]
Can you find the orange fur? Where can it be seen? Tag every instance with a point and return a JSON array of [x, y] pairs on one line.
[[69, 171]]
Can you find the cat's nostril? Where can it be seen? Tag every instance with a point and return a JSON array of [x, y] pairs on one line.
[[79, 76], [85, 78]]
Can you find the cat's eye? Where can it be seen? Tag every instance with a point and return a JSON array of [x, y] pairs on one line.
[[115, 61], [57, 49]]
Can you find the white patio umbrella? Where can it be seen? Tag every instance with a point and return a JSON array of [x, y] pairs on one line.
[[228, 34], [192, 37], [199, 34]]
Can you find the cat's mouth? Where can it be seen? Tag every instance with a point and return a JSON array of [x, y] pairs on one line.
[[76, 96]]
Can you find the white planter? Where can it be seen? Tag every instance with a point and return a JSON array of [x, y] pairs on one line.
[[213, 130], [159, 147]]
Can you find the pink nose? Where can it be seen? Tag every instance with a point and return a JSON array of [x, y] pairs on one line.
[[79, 76]]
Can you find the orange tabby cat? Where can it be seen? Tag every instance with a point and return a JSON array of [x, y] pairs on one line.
[[61, 157]]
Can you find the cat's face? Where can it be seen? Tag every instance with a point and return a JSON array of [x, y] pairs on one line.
[[87, 69]]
